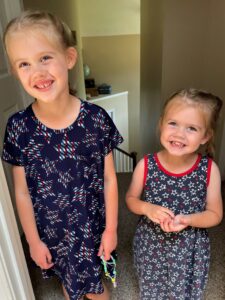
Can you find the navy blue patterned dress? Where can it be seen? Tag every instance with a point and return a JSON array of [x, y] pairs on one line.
[[65, 176], [173, 265]]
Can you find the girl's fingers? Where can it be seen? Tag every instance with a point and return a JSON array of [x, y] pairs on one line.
[[46, 265], [155, 220], [106, 255], [49, 258], [168, 212], [100, 251], [47, 261]]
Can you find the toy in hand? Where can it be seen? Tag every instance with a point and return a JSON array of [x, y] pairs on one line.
[[110, 267]]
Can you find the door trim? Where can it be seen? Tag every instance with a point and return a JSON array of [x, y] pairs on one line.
[[13, 269]]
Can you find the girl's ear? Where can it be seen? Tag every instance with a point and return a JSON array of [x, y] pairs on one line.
[[71, 55], [206, 138]]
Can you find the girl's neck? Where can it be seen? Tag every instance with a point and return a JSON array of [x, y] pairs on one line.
[[53, 108], [176, 164], [57, 116]]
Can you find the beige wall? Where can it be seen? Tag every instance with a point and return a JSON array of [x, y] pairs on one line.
[[188, 42], [110, 33], [194, 51], [185, 29], [117, 17], [116, 60], [69, 12], [214, 70], [151, 73]]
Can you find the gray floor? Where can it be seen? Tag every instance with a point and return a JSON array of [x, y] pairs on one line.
[[127, 283]]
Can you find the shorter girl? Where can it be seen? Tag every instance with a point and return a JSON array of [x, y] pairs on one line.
[[182, 198], [61, 150]]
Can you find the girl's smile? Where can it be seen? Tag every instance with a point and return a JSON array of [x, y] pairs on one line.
[[44, 85], [177, 144]]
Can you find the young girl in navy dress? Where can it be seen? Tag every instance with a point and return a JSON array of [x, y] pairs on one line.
[[182, 198], [61, 151]]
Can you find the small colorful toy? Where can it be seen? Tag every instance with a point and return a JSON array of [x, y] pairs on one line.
[[110, 269]]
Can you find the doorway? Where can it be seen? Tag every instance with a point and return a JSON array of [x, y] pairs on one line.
[[14, 276]]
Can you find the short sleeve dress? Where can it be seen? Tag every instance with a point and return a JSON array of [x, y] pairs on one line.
[[173, 265], [65, 176]]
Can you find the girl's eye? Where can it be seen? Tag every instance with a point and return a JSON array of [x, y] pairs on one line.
[[45, 58], [23, 65], [172, 123], [191, 128]]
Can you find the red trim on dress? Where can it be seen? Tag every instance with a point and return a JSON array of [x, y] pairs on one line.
[[209, 171], [177, 174], [145, 169]]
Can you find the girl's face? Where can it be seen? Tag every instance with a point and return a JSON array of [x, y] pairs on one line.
[[40, 64], [183, 128]]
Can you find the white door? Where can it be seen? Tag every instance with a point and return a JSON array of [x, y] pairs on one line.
[[14, 278]]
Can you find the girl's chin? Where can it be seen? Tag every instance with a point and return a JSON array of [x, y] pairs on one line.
[[176, 151]]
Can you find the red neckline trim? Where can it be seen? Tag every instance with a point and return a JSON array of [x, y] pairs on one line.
[[177, 174]]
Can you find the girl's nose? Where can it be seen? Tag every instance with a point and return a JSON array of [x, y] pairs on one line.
[[38, 70], [180, 132]]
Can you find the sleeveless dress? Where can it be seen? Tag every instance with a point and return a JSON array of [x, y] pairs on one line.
[[173, 265], [65, 176]]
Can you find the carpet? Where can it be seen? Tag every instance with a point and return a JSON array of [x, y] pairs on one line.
[[127, 287]]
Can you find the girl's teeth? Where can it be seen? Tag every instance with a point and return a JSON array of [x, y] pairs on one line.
[[43, 85], [180, 145]]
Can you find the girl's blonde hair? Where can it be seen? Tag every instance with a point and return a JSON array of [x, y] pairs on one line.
[[41, 20], [210, 106]]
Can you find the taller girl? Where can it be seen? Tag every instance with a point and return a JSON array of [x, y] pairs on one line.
[[61, 151], [181, 199]]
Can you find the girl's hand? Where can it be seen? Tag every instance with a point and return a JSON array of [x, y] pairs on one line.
[[179, 223], [41, 255], [157, 213], [108, 243]]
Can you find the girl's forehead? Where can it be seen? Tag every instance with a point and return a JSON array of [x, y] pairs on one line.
[[178, 104], [40, 32], [189, 109], [28, 44]]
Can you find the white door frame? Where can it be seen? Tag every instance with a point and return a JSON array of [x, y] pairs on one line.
[[15, 283], [14, 276]]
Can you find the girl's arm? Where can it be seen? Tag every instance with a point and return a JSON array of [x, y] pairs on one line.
[[154, 212], [109, 236], [214, 208], [38, 250]]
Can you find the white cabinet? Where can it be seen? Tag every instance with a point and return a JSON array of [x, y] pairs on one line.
[[117, 107]]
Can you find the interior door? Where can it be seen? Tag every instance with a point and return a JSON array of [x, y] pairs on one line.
[[12, 96], [14, 277]]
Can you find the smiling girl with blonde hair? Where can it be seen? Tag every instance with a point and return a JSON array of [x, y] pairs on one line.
[[61, 150]]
